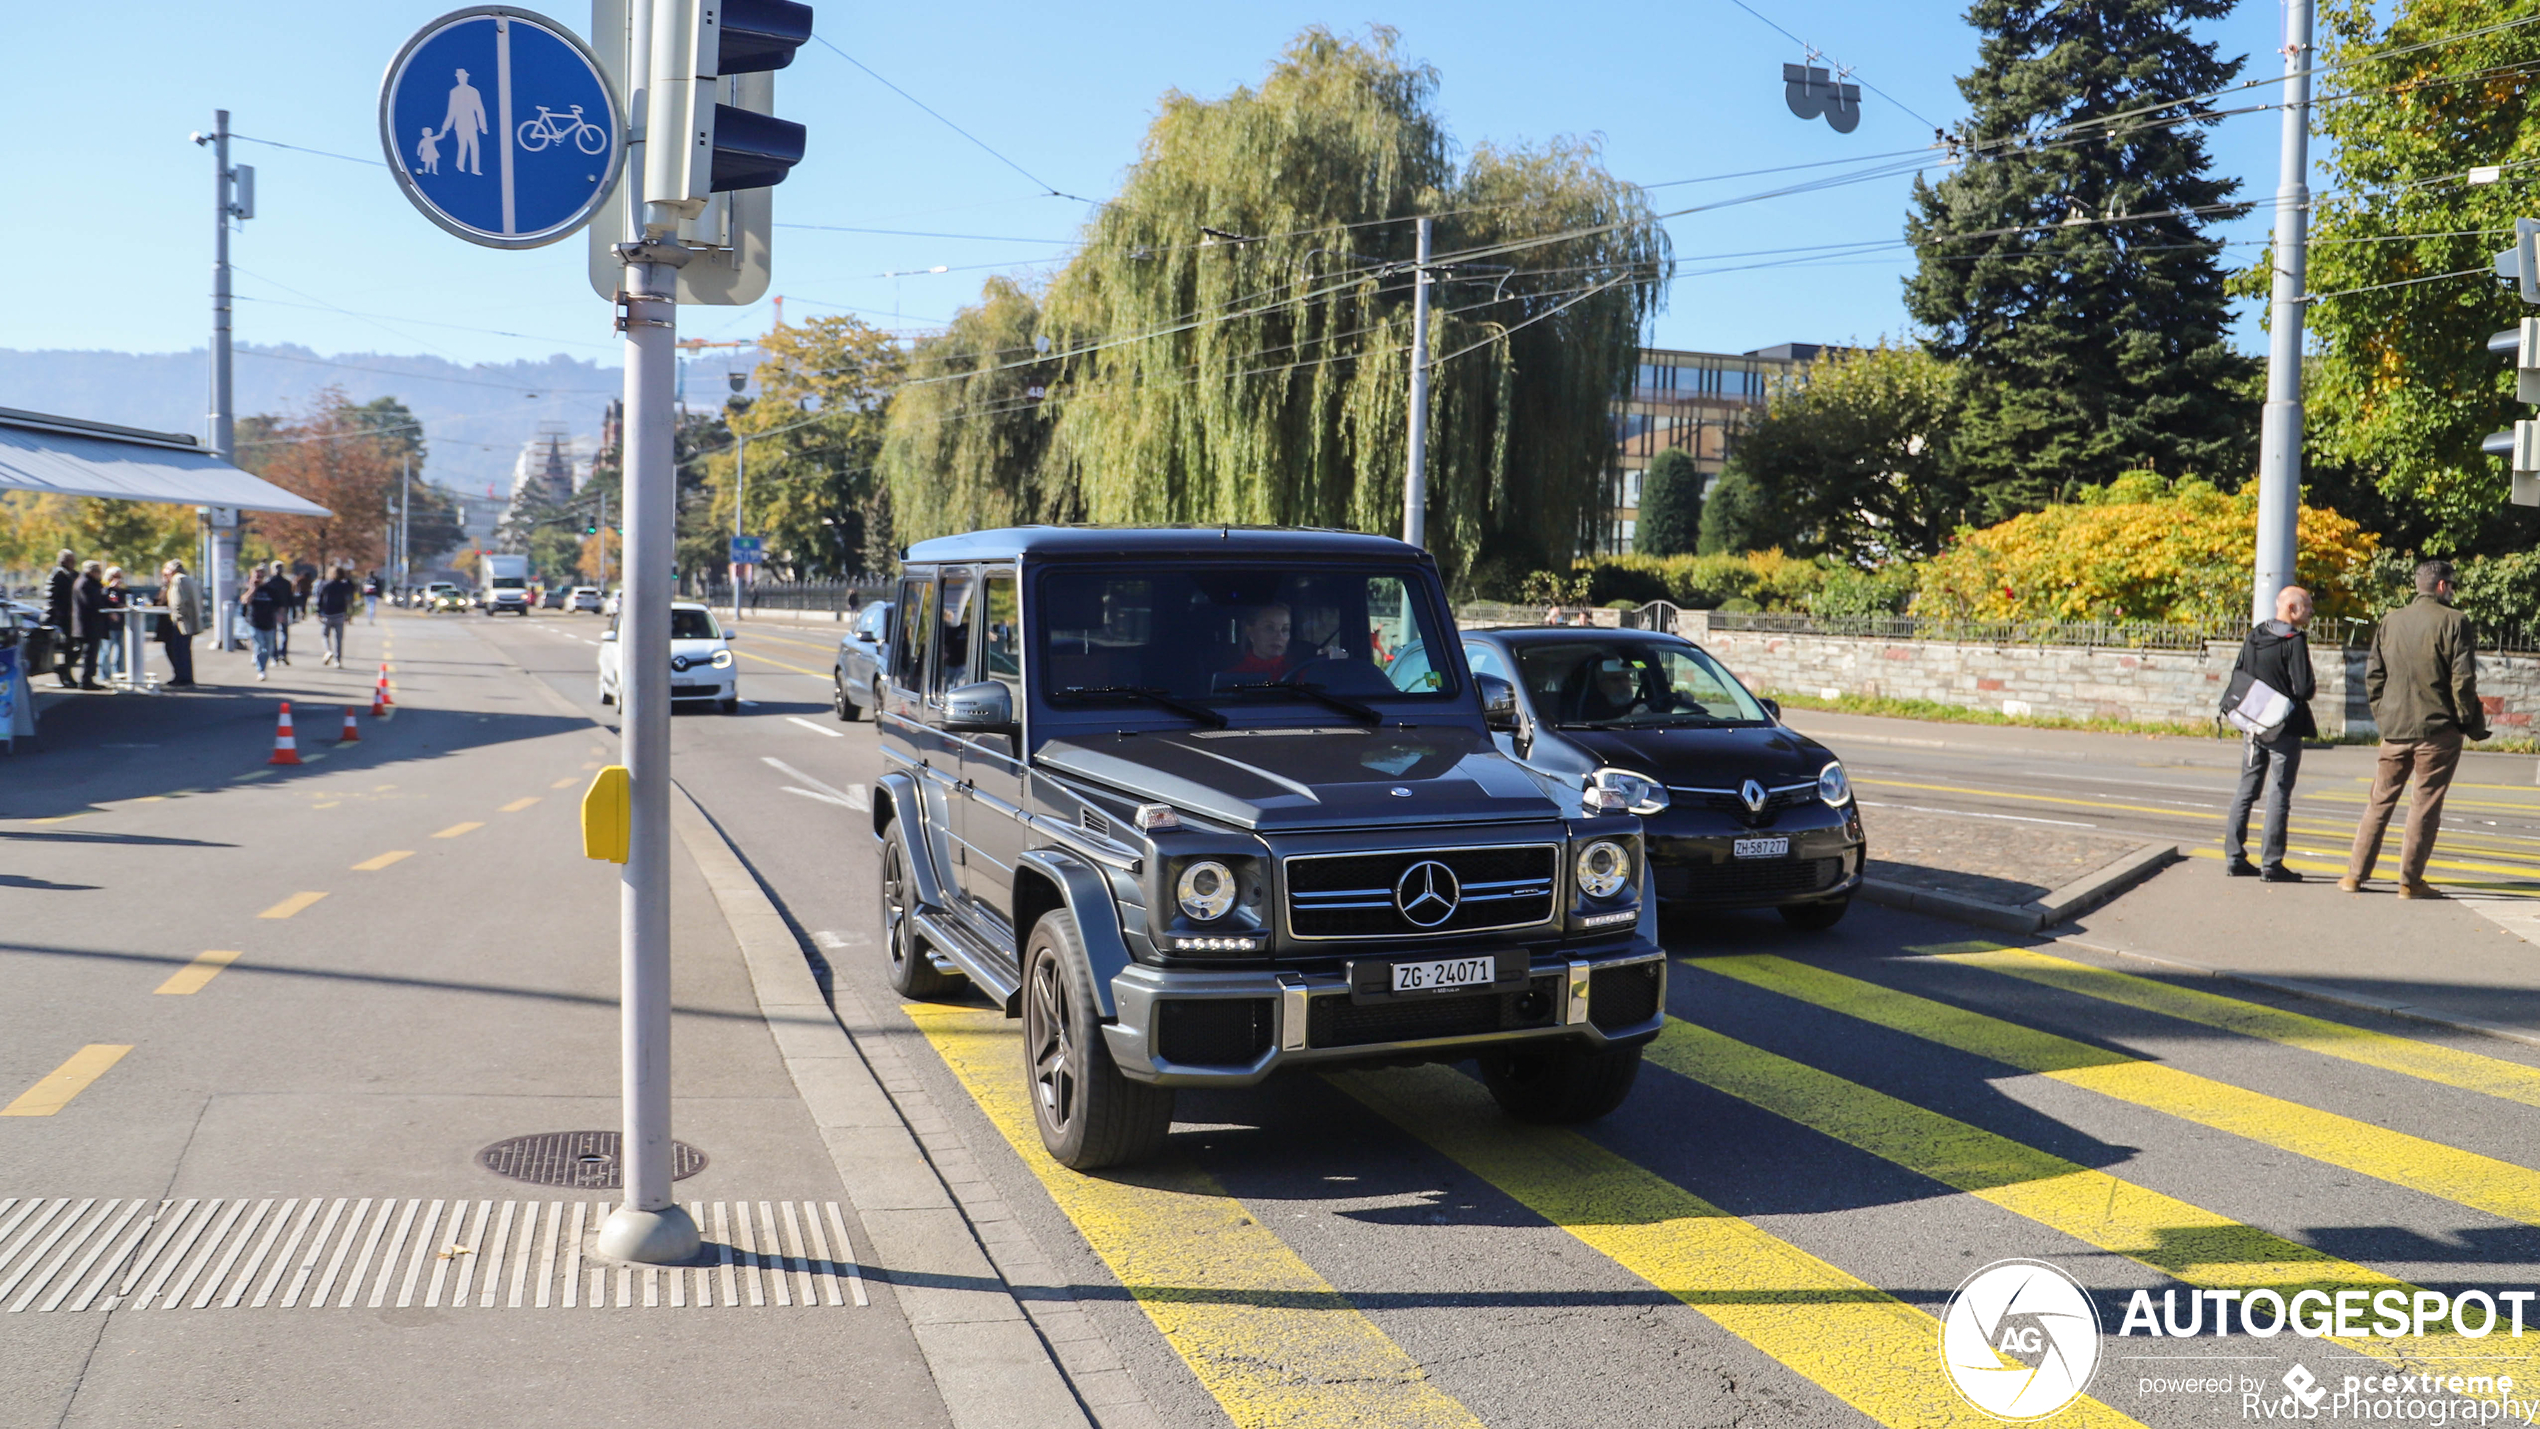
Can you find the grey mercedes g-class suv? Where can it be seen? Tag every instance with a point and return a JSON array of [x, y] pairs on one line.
[[1197, 804]]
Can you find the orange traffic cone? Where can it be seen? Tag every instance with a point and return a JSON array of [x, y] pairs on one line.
[[352, 732], [286, 750], [379, 700]]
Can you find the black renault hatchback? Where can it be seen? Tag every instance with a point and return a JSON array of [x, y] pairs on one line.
[[1740, 810]]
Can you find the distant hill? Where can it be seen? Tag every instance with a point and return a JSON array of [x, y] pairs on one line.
[[475, 418]]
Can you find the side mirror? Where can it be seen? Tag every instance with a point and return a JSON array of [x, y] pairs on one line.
[[731, 635], [1499, 703], [1771, 707], [986, 705]]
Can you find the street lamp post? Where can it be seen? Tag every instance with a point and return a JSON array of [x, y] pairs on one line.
[[740, 492], [2280, 431]]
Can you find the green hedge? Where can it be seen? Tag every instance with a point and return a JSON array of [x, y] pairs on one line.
[[1759, 580]]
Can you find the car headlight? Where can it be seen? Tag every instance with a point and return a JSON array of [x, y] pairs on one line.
[[1833, 786], [723, 659], [1641, 794], [1604, 868], [1206, 890]]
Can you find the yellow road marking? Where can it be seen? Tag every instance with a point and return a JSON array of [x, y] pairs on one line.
[[1861, 1345], [60, 818], [757, 634], [1269, 1339], [374, 865], [2169, 812], [291, 905], [2499, 1188], [779, 664], [2452, 1068], [516, 805], [251, 774], [564, 783], [454, 830], [66, 1081], [2169, 1235], [2338, 867], [189, 979]]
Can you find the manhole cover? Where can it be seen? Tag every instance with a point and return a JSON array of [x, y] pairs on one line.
[[584, 1160]]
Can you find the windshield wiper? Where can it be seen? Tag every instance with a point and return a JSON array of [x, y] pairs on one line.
[[1662, 722], [1197, 714], [1364, 714]]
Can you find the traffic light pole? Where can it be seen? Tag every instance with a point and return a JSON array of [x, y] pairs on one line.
[[1415, 480], [2280, 431]]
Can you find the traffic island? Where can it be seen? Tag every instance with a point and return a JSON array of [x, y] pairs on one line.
[[2014, 876]]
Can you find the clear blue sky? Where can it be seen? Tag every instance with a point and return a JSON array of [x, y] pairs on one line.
[[112, 204]]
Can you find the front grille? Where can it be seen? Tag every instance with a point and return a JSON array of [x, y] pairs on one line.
[[1747, 880], [1727, 801], [693, 692], [1338, 1022], [1623, 997], [1352, 895], [1213, 1032]]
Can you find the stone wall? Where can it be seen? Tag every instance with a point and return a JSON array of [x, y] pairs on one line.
[[2071, 681]]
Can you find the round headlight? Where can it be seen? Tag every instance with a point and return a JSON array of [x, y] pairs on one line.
[[1640, 793], [1604, 868], [723, 659], [1206, 890], [1833, 787]]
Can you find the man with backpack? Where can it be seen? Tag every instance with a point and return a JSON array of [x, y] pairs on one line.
[[2269, 700]]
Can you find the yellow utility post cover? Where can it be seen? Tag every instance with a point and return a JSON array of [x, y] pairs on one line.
[[607, 815]]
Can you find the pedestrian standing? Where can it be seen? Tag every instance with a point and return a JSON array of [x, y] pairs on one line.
[[268, 603], [370, 599], [2277, 654], [110, 638], [286, 597], [88, 619], [334, 607], [61, 613], [2423, 683], [182, 623]]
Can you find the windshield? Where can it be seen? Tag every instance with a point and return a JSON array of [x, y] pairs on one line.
[[1231, 634], [509, 582], [1627, 685], [690, 623]]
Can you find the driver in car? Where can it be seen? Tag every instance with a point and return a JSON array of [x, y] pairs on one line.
[[1265, 644]]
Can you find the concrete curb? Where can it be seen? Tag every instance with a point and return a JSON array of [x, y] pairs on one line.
[[2295, 987], [988, 1360], [2071, 900]]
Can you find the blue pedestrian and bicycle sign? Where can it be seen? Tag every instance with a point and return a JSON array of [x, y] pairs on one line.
[[747, 550], [501, 127]]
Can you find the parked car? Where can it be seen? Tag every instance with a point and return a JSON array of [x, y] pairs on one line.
[[701, 665], [855, 680], [1738, 809], [583, 597], [1202, 832]]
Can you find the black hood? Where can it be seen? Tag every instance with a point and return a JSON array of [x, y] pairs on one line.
[[1688, 758], [1288, 779]]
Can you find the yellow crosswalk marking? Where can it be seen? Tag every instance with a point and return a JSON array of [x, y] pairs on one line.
[[516, 805], [1269, 1338], [374, 865], [2499, 1188], [1863, 1346], [291, 905], [66, 1081], [189, 979], [2426, 1060], [454, 830]]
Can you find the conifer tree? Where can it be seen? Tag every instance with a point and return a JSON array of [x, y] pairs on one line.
[[1670, 506], [2066, 266]]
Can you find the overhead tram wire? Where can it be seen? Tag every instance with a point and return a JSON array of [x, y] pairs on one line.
[[1050, 189], [1814, 51], [236, 137]]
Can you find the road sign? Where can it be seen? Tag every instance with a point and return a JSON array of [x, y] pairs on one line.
[[746, 550], [501, 126]]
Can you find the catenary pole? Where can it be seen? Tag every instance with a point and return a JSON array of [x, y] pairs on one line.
[[648, 1226], [1415, 481], [2280, 431], [222, 419]]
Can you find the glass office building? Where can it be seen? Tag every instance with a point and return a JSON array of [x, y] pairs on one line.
[[1694, 402]]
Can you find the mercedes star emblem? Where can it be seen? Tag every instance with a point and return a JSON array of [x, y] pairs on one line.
[[1427, 893], [1753, 793]]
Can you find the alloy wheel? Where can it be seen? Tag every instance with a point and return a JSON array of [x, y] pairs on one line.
[[1053, 1041]]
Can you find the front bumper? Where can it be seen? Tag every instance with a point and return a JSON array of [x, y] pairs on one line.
[[1694, 864], [1184, 1027]]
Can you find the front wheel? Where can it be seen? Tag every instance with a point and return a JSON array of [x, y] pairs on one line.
[[1816, 917], [1560, 1085], [838, 701], [1090, 1115], [912, 973], [732, 705]]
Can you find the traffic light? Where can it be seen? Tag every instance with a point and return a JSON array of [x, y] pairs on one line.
[[2520, 266], [723, 147], [591, 528]]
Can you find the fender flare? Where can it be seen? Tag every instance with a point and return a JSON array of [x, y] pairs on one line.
[[898, 791], [1085, 892]]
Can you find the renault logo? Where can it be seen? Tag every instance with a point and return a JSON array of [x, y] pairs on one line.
[[1753, 793], [1427, 893]]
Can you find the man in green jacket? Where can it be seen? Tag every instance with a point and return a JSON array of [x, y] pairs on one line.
[[2423, 683]]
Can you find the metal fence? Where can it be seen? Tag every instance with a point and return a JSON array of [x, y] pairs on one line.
[[832, 596]]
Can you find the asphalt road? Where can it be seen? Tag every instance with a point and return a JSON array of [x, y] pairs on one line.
[[1836, 1130]]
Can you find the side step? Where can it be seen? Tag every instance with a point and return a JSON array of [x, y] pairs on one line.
[[946, 939]]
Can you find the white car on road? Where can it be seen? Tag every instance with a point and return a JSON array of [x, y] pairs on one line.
[[701, 666], [583, 597]]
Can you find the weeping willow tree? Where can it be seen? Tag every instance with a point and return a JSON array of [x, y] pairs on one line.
[[1232, 342]]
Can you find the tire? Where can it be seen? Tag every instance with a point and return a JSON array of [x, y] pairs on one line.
[[912, 975], [1090, 1115], [1816, 917], [607, 695], [732, 705], [838, 701], [1561, 1085]]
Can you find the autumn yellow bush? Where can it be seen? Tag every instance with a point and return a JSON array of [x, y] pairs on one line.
[[2144, 547]]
